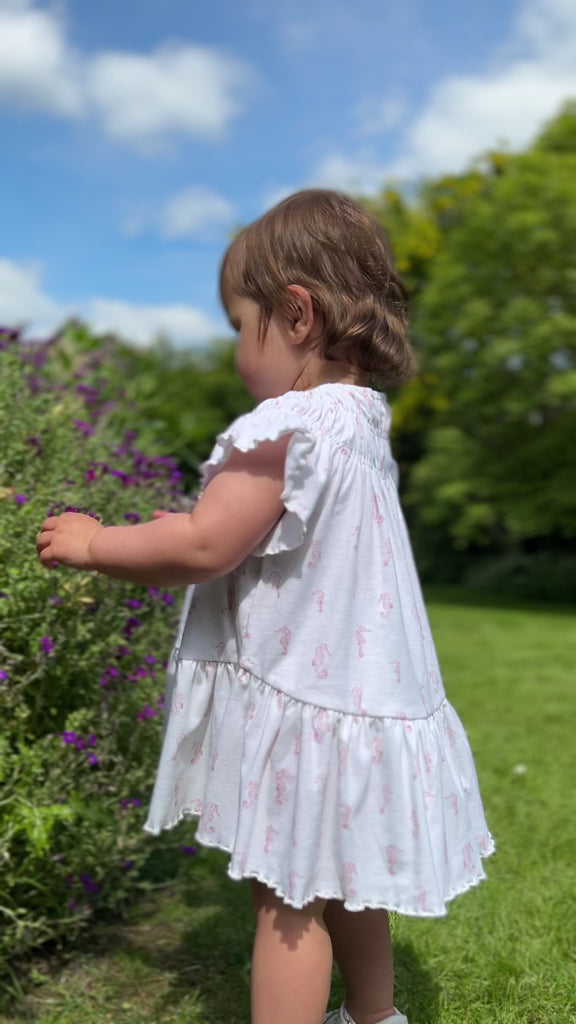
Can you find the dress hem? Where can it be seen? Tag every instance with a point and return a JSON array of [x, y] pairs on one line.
[[353, 908]]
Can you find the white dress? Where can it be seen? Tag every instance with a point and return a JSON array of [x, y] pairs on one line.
[[306, 722]]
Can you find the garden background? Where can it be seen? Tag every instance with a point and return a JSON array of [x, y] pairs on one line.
[[484, 437]]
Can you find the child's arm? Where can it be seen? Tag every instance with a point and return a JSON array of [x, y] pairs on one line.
[[239, 507]]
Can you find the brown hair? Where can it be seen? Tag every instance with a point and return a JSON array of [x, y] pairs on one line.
[[325, 242]]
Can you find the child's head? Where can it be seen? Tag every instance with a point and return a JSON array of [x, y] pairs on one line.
[[324, 242]]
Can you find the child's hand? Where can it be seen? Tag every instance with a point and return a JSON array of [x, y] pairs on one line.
[[158, 513], [66, 539]]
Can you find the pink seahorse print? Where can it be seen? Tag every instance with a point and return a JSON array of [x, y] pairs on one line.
[[177, 703], [428, 762], [345, 811], [418, 618], [428, 797], [415, 824], [251, 711], [386, 602], [451, 736], [315, 554], [197, 751], [275, 580], [350, 872], [282, 700], [378, 517], [393, 857], [320, 654], [241, 863], [320, 783], [285, 635], [298, 743], [386, 798], [356, 535], [177, 789], [210, 812], [271, 834], [320, 725], [213, 760], [468, 859], [342, 760], [377, 750], [251, 793], [482, 844], [281, 780], [293, 883], [435, 680], [182, 737], [416, 769], [361, 639], [319, 597], [397, 670], [452, 799], [211, 668], [197, 806]]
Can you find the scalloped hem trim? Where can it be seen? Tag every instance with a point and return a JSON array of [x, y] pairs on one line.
[[321, 894]]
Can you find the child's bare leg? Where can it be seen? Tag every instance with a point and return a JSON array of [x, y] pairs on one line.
[[292, 961], [363, 951]]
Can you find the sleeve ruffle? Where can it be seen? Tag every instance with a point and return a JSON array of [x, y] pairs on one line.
[[302, 481]]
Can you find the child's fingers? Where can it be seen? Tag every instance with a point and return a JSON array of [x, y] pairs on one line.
[[159, 513]]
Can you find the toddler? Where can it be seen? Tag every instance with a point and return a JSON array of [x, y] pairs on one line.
[[307, 725]]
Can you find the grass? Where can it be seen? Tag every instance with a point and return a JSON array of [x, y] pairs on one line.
[[506, 953]]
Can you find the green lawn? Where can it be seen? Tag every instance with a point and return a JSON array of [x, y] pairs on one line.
[[506, 953]]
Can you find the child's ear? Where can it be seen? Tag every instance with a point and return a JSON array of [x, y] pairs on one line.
[[300, 313]]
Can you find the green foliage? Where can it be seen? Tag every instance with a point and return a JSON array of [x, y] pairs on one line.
[[484, 432], [80, 670]]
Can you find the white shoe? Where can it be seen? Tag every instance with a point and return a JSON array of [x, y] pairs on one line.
[[341, 1016]]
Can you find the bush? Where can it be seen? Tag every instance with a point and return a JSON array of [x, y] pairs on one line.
[[540, 576], [81, 655]]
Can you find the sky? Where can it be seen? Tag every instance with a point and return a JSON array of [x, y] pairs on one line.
[[137, 136]]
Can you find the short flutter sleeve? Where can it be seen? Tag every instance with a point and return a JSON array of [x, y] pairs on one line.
[[303, 482]]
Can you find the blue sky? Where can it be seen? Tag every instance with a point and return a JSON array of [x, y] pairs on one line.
[[137, 136]]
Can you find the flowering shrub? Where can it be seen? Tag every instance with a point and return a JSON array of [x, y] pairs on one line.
[[81, 655]]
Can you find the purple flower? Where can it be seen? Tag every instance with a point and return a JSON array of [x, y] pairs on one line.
[[92, 759], [69, 737], [89, 884], [83, 427], [5, 596], [47, 644], [131, 602], [130, 625], [72, 904], [21, 499], [167, 598], [122, 652], [132, 517], [80, 743], [146, 712], [55, 599], [188, 851], [150, 659], [153, 591], [92, 740], [135, 802], [128, 865], [3, 677], [89, 476], [112, 671]]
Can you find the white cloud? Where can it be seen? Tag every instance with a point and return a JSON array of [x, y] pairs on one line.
[[183, 325], [137, 98], [375, 117], [188, 89], [38, 69], [25, 304], [467, 114], [194, 211], [360, 173]]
